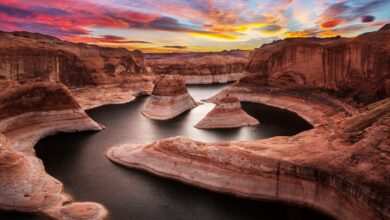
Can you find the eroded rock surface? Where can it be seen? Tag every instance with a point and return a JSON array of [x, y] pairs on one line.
[[341, 168], [315, 106], [169, 99], [201, 68], [353, 67], [26, 57], [227, 114], [28, 113]]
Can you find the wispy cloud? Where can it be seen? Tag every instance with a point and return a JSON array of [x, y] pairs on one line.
[[198, 24]]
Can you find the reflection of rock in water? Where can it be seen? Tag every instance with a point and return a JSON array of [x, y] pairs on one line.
[[307, 169], [148, 193]]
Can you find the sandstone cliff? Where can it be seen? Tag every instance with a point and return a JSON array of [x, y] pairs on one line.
[[354, 67], [28, 113], [26, 57], [169, 99], [227, 114], [341, 168], [201, 68], [315, 106]]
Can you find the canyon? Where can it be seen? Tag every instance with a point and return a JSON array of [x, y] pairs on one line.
[[89, 71], [340, 167], [29, 113], [356, 67], [339, 85]]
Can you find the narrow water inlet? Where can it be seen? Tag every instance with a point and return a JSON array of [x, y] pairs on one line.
[[78, 161]]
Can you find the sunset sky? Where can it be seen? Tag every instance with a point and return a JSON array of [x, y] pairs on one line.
[[192, 25]]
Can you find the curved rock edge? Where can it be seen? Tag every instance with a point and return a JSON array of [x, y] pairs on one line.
[[275, 168], [318, 109], [167, 107], [23, 131]]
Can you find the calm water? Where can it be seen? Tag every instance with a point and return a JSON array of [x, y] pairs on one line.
[[78, 161]]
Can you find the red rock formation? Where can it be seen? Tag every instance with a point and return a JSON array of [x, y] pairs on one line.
[[201, 68], [315, 106], [227, 114], [169, 98], [26, 187], [26, 57], [28, 113], [341, 168], [358, 67]]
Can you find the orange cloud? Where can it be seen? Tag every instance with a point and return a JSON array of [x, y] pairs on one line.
[[330, 24], [297, 34], [215, 35]]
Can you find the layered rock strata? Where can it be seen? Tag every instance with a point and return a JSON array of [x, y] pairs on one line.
[[28, 113], [341, 168], [353, 67], [314, 106], [227, 114], [95, 96], [201, 68], [95, 75], [169, 99], [26, 57]]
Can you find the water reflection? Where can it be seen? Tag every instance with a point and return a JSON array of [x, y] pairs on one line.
[[78, 161]]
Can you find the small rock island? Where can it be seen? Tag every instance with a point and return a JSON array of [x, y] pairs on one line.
[[227, 114], [169, 99]]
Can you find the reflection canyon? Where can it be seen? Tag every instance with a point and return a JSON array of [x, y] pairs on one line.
[[339, 165]]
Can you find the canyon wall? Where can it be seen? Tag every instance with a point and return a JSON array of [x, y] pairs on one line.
[[201, 68], [355, 67], [28, 113], [341, 168], [29, 57]]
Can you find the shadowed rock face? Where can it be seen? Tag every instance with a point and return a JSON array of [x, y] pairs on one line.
[[169, 99], [227, 114], [28, 113], [35, 97], [201, 68], [26, 187], [169, 85], [341, 168], [26, 57], [358, 67]]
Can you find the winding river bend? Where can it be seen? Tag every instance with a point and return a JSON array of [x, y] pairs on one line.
[[78, 161]]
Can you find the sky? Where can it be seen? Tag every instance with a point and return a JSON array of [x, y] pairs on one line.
[[192, 25]]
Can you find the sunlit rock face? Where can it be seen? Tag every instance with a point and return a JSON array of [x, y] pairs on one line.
[[227, 114], [358, 67], [26, 57], [201, 68], [28, 113], [341, 168], [314, 105], [169, 99]]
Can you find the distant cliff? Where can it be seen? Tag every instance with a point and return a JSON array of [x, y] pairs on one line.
[[201, 68], [358, 67], [27, 57]]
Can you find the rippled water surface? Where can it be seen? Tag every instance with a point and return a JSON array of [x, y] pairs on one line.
[[78, 161]]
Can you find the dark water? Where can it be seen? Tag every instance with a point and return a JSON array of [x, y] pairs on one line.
[[78, 161]]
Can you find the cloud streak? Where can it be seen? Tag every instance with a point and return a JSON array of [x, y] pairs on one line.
[[205, 25]]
